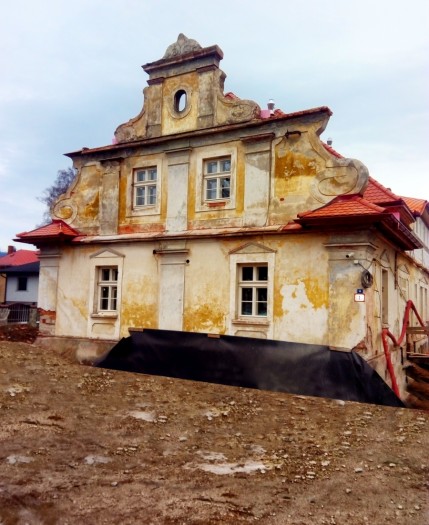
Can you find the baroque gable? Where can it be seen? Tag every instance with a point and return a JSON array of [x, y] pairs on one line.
[[185, 93]]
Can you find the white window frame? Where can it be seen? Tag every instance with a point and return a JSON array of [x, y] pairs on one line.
[[107, 289], [99, 260], [254, 286], [218, 177], [147, 185], [139, 164], [211, 154], [252, 254]]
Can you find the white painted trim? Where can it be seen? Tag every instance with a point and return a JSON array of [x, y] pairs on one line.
[[213, 152], [251, 324]]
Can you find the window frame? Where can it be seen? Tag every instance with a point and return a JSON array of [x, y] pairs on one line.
[[218, 177], [111, 286], [251, 254], [254, 285], [202, 157], [141, 163], [145, 184]]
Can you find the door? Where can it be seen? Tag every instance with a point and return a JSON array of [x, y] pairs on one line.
[[171, 292]]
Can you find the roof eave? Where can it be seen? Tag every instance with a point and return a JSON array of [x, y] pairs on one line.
[[385, 222], [199, 132], [48, 240]]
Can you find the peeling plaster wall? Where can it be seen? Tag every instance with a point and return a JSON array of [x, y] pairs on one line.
[[139, 306], [47, 293], [207, 288], [300, 299], [73, 293], [301, 292]]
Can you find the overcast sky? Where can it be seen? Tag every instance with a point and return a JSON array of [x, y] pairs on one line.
[[70, 74]]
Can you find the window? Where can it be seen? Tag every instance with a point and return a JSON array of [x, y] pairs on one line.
[[251, 286], [253, 290], [180, 101], [215, 184], [107, 286], [217, 179], [145, 186], [22, 284]]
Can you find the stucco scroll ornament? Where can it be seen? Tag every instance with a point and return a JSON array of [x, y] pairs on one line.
[[182, 46], [65, 209], [341, 177], [235, 110]]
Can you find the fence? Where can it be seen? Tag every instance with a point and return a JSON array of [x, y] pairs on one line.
[[18, 312]]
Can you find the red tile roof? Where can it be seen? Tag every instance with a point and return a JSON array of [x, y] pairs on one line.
[[56, 230], [344, 206], [417, 206], [378, 194], [354, 211], [19, 258]]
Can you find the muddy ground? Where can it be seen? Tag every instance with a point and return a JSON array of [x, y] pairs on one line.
[[81, 445]]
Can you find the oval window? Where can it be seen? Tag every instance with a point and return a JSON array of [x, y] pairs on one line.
[[180, 100]]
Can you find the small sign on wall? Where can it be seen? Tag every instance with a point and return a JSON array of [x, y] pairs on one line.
[[359, 296]]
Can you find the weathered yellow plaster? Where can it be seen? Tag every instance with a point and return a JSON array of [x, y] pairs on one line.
[[317, 294], [123, 196], [240, 174], [90, 211], [139, 308], [171, 122], [293, 173], [205, 317], [192, 189], [139, 315], [81, 306]]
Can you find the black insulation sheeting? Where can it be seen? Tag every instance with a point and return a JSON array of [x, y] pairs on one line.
[[295, 368]]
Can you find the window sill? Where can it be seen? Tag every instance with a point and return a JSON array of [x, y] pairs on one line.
[[107, 315], [251, 322], [220, 204], [144, 207], [142, 211]]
